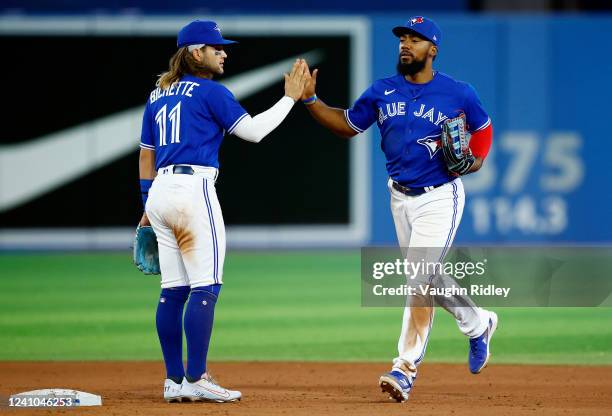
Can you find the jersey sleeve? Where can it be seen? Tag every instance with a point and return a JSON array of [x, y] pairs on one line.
[[363, 113], [224, 107], [476, 116], [147, 137]]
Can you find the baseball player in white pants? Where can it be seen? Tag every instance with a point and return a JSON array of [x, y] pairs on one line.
[[184, 122], [427, 198], [430, 221]]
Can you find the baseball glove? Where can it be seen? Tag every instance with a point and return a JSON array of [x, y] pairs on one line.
[[455, 145], [146, 252]]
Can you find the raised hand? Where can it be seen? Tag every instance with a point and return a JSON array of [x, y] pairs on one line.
[[296, 80], [311, 83]]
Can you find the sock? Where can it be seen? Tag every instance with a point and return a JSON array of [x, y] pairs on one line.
[[176, 379], [169, 322], [199, 318]]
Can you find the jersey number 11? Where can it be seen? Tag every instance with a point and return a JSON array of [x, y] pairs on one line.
[[175, 124]]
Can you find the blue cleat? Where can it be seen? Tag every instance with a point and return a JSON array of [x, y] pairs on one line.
[[480, 346], [397, 385]]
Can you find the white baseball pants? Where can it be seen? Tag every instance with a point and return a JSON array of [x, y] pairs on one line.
[[186, 217], [426, 225]]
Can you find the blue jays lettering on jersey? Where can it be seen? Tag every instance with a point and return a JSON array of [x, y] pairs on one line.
[[410, 118], [182, 131]]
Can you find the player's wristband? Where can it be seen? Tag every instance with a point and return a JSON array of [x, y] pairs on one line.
[[310, 100], [145, 185]]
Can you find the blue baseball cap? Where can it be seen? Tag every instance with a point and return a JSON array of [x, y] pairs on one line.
[[201, 32], [422, 26]]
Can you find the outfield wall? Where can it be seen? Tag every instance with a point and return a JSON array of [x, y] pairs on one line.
[[543, 79]]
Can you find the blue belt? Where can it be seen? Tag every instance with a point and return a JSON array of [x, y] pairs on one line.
[[414, 191]]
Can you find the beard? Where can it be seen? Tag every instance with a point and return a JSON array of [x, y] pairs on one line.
[[411, 68]]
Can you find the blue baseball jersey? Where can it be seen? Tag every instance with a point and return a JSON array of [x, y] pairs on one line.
[[185, 123], [410, 118]]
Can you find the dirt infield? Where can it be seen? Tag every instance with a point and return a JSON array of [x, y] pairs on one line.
[[135, 388]]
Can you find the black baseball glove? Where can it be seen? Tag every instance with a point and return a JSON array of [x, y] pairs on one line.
[[455, 146]]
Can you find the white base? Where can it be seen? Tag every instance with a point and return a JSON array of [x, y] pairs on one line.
[[81, 398]]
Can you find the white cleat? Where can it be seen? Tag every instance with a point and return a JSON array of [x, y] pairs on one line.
[[206, 390], [172, 391]]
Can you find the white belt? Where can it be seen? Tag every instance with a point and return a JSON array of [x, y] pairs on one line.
[[202, 171]]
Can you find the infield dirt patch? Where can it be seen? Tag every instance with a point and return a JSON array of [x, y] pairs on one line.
[[135, 388]]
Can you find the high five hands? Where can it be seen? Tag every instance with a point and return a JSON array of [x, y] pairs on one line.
[[300, 84], [296, 80]]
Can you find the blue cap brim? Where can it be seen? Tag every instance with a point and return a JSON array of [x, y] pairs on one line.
[[402, 30], [226, 42]]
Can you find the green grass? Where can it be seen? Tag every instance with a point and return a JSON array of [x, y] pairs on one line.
[[274, 306]]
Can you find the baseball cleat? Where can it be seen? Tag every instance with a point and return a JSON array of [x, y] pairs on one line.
[[480, 350], [172, 391], [397, 385], [206, 390]]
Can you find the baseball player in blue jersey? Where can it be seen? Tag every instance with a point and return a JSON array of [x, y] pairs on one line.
[[416, 110], [183, 125]]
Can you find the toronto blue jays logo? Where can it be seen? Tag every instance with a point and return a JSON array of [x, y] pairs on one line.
[[217, 29], [415, 20], [432, 143]]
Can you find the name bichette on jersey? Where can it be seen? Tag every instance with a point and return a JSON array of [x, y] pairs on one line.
[[179, 88]]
